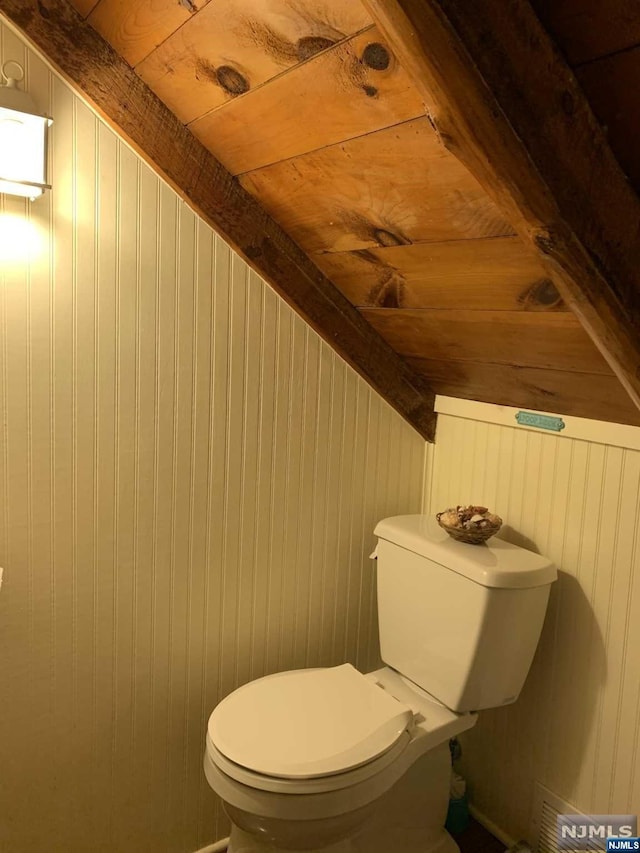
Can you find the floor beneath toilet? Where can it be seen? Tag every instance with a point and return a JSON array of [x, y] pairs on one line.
[[476, 839]]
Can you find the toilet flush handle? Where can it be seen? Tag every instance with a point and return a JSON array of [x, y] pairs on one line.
[[374, 554]]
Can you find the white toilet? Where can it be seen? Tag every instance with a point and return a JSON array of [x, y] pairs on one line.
[[333, 760]]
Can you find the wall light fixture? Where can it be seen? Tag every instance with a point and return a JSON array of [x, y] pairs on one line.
[[23, 138]]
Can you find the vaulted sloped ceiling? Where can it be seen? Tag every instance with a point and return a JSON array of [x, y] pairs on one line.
[[313, 111]]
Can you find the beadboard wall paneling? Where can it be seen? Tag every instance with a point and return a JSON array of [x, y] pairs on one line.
[[576, 726], [189, 480]]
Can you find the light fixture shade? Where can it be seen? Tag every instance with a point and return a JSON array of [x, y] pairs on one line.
[[23, 143]]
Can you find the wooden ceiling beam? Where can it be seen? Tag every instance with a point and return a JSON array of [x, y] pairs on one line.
[[94, 69], [505, 102]]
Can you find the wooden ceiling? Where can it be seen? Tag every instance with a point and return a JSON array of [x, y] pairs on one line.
[[306, 103], [600, 40]]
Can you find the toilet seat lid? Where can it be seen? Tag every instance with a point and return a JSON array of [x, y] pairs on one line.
[[308, 723]]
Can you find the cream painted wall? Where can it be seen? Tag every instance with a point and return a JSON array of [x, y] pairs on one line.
[[189, 479], [576, 726]]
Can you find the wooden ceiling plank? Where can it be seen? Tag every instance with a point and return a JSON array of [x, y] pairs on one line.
[[354, 88], [137, 27], [505, 101], [102, 77], [232, 46], [550, 340], [499, 273], [392, 187], [584, 395], [589, 29], [612, 85], [84, 7]]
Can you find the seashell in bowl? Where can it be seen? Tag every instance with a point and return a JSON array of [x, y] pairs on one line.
[[472, 524]]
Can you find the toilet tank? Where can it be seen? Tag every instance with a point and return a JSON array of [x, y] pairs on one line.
[[461, 621]]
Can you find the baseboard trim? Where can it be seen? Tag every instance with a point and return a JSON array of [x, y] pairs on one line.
[[491, 827], [217, 847]]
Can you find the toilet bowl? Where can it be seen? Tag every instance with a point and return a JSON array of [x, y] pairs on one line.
[[303, 759], [334, 760]]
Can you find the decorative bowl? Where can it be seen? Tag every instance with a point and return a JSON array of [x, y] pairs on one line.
[[471, 524]]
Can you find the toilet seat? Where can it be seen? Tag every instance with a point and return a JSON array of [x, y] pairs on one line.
[[306, 724], [433, 725], [259, 784]]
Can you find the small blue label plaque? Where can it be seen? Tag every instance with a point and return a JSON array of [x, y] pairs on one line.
[[540, 421]]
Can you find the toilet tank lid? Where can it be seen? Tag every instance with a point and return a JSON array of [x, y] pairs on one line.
[[495, 563]]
